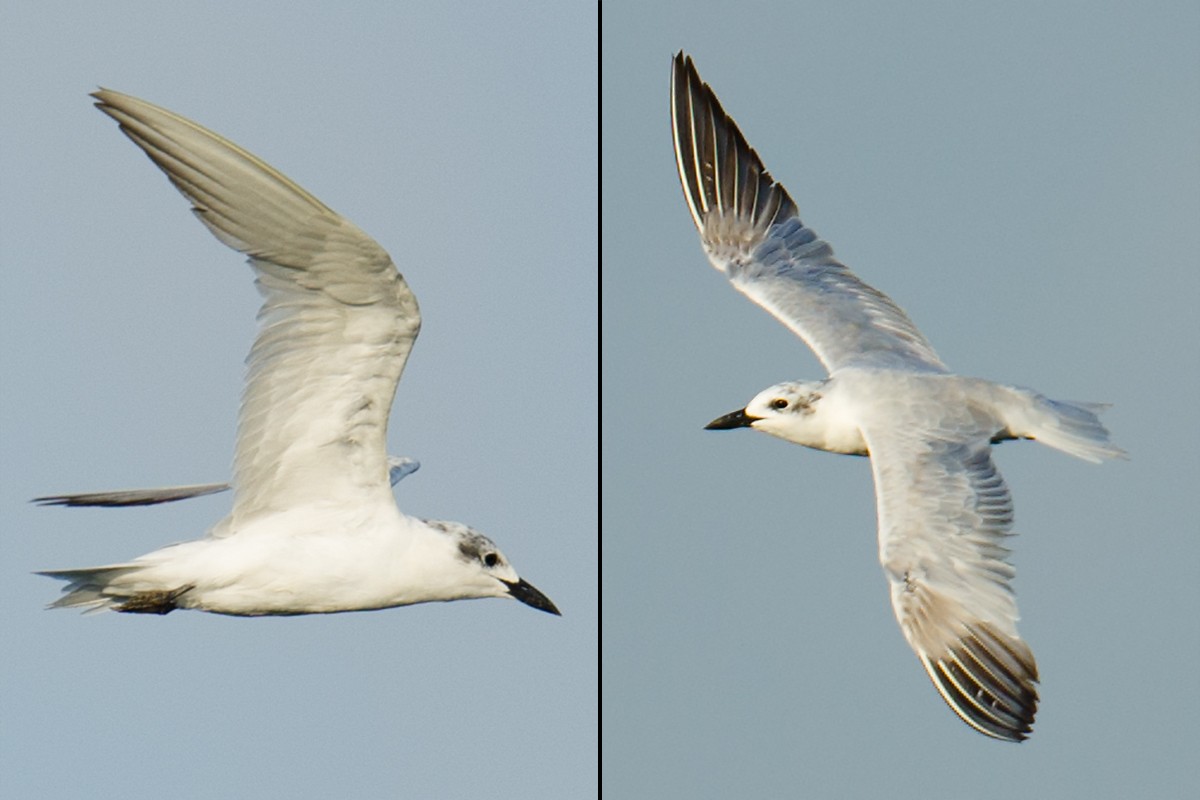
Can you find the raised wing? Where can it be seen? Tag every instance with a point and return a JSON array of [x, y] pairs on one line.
[[944, 513], [398, 469], [752, 232], [132, 497], [335, 329]]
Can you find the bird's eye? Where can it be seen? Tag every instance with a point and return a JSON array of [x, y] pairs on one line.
[[779, 403], [491, 559]]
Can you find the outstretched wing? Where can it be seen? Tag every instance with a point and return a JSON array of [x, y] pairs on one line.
[[132, 497], [335, 329], [752, 232], [398, 469], [944, 513]]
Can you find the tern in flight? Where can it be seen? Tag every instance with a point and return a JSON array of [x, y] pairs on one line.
[[314, 526], [944, 512]]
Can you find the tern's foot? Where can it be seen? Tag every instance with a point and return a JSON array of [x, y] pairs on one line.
[[161, 602]]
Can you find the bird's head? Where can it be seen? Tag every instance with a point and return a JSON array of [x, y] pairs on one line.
[[481, 570], [794, 411]]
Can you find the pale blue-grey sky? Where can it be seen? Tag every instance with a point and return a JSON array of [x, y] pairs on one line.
[[463, 138], [1024, 179]]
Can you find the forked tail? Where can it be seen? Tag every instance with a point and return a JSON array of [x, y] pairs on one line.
[[1072, 427], [95, 589]]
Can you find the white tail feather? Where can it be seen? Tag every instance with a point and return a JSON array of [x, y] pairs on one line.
[[87, 588], [1072, 427]]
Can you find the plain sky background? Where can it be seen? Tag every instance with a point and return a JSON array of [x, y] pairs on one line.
[[1022, 178], [463, 138]]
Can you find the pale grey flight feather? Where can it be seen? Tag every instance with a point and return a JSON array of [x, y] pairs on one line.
[[320, 382]]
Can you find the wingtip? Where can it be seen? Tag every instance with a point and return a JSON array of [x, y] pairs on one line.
[[988, 680], [681, 61], [65, 500], [718, 169], [104, 97]]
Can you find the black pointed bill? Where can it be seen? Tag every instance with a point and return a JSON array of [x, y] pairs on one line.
[[524, 591], [736, 419]]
